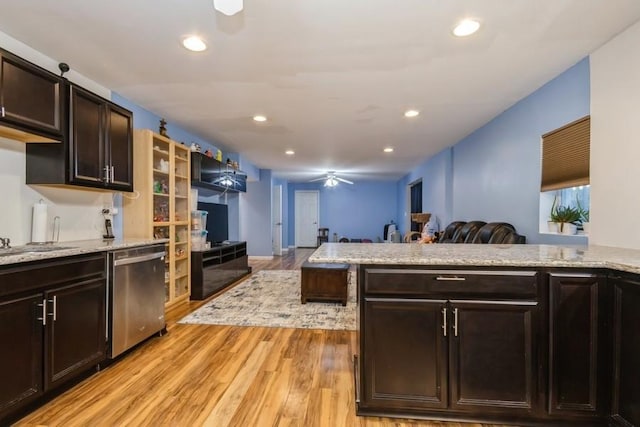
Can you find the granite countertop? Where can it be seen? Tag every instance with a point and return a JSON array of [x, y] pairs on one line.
[[480, 255], [73, 248]]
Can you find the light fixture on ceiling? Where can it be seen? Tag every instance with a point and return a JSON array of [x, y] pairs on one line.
[[466, 27], [388, 150], [289, 152], [228, 7], [259, 118], [411, 113], [194, 44]]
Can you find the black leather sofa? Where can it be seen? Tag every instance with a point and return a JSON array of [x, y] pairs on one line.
[[481, 232]]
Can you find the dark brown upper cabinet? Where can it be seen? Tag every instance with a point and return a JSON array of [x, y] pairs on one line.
[[98, 151], [32, 101]]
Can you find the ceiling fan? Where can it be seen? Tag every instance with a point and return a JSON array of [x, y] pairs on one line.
[[331, 180]]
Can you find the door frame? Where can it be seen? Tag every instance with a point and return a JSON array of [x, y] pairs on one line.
[[276, 219], [297, 216]]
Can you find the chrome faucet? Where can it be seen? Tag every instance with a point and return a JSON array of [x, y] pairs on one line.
[[6, 242]]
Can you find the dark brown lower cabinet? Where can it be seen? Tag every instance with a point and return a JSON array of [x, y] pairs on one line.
[[626, 351], [492, 363], [52, 326], [21, 354], [75, 336], [405, 365], [579, 344]]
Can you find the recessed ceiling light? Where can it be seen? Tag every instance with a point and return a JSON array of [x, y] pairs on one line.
[[289, 152], [466, 27], [411, 113], [260, 118], [388, 150], [194, 43]]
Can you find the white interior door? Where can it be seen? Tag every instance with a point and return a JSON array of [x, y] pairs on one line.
[[276, 215], [307, 204]]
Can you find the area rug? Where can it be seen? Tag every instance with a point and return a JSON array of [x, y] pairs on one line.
[[272, 298]]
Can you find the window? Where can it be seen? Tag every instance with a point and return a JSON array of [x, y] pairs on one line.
[[565, 169]]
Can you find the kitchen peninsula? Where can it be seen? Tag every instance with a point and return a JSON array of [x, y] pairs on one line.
[[491, 333]]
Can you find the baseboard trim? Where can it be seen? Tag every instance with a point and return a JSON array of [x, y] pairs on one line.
[[257, 257], [285, 250]]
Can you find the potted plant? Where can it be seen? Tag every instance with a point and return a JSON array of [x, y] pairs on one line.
[[553, 223], [567, 216], [584, 217]]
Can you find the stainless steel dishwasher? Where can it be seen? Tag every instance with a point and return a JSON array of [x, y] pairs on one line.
[[136, 296]]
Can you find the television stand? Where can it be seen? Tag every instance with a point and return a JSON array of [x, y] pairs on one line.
[[216, 268]]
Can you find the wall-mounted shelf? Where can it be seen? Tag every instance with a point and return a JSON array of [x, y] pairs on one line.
[[210, 174]]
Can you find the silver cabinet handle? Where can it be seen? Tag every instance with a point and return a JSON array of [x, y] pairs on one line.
[[43, 319], [2, 111], [112, 174], [54, 301], [106, 174], [455, 322], [451, 278], [444, 322]]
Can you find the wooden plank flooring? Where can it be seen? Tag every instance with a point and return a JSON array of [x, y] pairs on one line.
[[200, 375]]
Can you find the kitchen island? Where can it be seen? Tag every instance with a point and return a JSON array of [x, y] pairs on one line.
[[522, 334]]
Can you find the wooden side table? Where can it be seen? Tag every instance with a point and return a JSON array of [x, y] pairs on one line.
[[327, 282]]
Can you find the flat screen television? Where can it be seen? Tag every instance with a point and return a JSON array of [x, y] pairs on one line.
[[217, 221]]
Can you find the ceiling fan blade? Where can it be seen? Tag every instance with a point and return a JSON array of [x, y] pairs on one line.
[[346, 181], [322, 178]]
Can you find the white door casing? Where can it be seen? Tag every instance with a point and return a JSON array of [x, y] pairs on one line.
[[276, 216], [307, 207]]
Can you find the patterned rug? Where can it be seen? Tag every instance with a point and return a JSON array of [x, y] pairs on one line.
[[272, 298]]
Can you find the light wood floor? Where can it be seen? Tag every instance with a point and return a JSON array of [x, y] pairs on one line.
[[199, 375]]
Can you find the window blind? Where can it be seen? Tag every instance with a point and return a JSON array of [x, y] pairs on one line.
[[565, 156]]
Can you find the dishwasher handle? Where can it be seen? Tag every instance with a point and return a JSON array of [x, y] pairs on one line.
[[137, 259]]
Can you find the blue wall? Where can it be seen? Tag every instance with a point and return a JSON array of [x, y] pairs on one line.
[[256, 221], [357, 211], [436, 174], [495, 171]]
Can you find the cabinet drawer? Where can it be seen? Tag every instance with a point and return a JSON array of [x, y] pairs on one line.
[[51, 272], [455, 283]]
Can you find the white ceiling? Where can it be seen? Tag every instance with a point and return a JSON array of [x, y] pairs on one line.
[[333, 76]]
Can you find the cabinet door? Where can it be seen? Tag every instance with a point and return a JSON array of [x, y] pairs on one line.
[[20, 351], [492, 356], [404, 354], [578, 345], [119, 136], [626, 327], [86, 145], [75, 335], [30, 97]]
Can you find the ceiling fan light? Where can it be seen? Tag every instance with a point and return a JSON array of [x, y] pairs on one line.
[[331, 182], [228, 7]]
